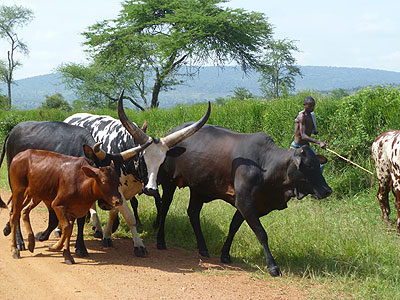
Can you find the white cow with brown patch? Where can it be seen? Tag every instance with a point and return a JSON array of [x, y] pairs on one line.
[[386, 155]]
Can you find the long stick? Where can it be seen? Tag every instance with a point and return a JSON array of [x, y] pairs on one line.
[[349, 161]]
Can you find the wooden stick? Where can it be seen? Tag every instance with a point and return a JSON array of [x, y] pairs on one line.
[[349, 161]]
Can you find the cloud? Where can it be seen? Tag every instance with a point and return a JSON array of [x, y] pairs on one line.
[[372, 23]]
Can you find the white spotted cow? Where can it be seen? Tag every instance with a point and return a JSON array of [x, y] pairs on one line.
[[138, 174], [386, 155]]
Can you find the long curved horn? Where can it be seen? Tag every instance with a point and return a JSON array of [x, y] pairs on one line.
[[100, 153], [127, 154], [176, 137], [132, 128]]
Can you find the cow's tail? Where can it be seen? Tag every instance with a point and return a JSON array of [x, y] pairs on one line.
[[3, 151]]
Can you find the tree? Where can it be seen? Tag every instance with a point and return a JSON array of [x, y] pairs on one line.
[[151, 40], [56, 101], [278, 69], [241, 93], [11, 18]]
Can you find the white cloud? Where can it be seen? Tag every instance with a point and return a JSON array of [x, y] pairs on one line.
[[372, 23]]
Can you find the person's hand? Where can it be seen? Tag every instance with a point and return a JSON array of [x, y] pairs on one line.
[[322, 144]]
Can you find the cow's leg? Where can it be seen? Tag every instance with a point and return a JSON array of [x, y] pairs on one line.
[[25, 218], [80, 248], [168, 193], [98, 231], [139, 248], [107, 241], [52, 224], [157, 201], [383, 198], [18, 239], [248, 211], [65, 225], [237, 220], [15, 213], [67, 231], [135, 204], [195, 206]]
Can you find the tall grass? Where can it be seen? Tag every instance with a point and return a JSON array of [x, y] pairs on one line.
[[340, 242]]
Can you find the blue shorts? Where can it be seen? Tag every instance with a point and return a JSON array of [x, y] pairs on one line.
[[293, 145]]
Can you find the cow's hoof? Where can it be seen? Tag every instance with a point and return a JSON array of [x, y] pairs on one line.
[[16, 254], [140, 251], [161, 246], [226, 259], [81, 252], [42, 236], [204, 253], [107, 242], [275, 271], [69, 260], [98, 234], [7, 229]]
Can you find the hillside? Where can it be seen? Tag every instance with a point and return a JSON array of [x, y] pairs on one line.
[[211, 83]]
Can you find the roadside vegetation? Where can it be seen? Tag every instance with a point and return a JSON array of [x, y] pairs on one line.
[[339, 243]]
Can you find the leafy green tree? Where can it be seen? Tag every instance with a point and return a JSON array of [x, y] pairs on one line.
[[56, 101], [278, 69], [3, 101], [241, 93], [11, 18], [150, 41], [339, 93]]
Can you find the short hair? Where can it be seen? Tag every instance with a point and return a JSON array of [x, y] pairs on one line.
[[308, 100]]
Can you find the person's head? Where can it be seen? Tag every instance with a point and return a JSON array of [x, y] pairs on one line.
[[309, 104]]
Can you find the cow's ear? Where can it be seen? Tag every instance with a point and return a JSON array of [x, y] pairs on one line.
[[89, 153], [90, 172], [322, 159]]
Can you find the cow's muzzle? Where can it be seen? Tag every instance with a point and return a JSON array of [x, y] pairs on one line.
[[151, 192], [323, 193]]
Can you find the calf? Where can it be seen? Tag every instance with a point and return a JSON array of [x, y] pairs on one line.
[[386, 155], [67, 184]]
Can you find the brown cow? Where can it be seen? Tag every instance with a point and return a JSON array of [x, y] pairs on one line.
[[67, 184]]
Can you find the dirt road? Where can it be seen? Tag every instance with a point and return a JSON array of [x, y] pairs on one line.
[[115, 273]]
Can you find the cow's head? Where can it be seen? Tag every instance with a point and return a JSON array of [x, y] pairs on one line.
[[305, 174], [107, 184], [154, 155]]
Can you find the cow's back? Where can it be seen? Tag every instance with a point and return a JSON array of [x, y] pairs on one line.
[[113, 135], [386, 153], [48, 135]]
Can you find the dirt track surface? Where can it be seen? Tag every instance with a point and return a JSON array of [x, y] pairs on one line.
[[115, 273]]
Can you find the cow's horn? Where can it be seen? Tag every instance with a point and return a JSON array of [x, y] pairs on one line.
[[100, 153], [127, 154], [138, 134], [176, 137]]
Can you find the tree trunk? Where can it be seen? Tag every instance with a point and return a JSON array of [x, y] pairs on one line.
[[156, 92], [9, 94]]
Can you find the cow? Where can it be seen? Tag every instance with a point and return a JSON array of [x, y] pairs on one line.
[[386, 155], [69, 185], [249, 171], [61, 138], [139, 174]]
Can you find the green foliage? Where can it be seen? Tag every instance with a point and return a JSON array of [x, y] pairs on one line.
[[146, 46], [56, 101], [278, 69], [241, 93]]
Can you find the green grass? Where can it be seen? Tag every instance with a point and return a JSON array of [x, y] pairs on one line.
[[339, 243]]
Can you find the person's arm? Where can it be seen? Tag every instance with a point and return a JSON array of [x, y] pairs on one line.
[[303, 134]]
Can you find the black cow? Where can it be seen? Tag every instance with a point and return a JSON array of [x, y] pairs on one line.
[[61, 138], [248, 171]]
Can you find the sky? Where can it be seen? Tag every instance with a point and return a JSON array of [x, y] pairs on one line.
[[352, 33]]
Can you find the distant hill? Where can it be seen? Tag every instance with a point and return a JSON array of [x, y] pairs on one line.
[[212, 82]]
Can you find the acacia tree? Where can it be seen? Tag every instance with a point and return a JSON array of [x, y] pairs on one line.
[[12, 18], [278, 69], [151, 40]]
